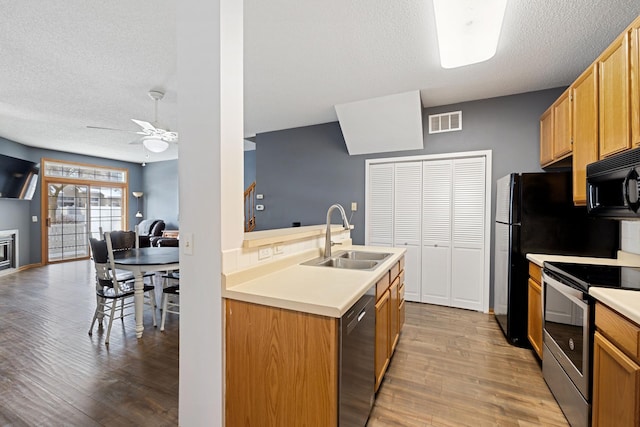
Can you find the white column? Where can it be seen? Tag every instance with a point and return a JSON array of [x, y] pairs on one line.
[[209, 64]]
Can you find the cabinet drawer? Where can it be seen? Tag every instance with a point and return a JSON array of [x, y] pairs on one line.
[[382, 285], [401, 291], [618, 329], [395, 270], [535, 272], [402, 277], [402, 264]]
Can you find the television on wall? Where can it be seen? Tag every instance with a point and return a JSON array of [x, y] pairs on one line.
[[18, 178]]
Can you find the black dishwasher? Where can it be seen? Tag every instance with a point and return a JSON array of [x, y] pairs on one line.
[[357, 371]]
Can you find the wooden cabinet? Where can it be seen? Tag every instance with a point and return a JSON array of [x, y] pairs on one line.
[[634, 35], [562, 126], [613, 96], [281, 366], [616, 370], [534, 313], [555, 131], [584, 111], [382, 337], [546, 137], [603, 113], [389, 317]]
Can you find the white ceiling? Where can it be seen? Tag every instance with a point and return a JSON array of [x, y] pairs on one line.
[[66, 64]]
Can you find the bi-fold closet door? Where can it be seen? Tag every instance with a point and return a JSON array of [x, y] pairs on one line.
[[436, 210]]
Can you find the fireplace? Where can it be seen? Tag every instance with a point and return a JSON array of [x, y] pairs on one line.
[[8, 250]]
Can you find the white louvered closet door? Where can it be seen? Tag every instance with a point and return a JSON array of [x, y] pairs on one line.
[[436, 231], [380, 205], [406, 222], [468, 233]]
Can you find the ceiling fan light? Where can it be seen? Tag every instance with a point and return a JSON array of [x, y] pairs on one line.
[[155, 144]]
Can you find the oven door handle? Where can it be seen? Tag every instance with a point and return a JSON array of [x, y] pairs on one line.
[[566, 290]]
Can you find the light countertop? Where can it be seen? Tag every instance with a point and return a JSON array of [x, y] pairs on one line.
[[623, 259], [318, 290], [623, 301]]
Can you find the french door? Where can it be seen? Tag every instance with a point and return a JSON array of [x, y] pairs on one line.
[[74, 208]]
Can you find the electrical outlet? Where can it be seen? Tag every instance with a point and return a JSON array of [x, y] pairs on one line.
[[34, 218], [264, 253], [354, 206], [278, 249]]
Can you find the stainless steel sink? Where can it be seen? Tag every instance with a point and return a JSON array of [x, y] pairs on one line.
[[338, 262], [356, 255]]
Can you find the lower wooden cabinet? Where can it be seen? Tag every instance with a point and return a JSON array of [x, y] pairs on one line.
[[281, 367], [389, 317], [616, 386], [616, 370], [382, 337], [534, 312]]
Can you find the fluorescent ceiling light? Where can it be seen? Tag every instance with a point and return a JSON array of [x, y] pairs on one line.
[[468, 30], [155, 144]]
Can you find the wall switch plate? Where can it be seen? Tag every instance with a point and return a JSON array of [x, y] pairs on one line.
[[264, 253], [187, 243], [354, 206], [259, 207], [34, 218], [259, 196]]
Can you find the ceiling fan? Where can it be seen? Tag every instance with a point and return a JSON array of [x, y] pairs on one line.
[[156, 139]]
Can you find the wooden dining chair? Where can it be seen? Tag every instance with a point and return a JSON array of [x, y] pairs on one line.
[[170, 295], [110, 288]]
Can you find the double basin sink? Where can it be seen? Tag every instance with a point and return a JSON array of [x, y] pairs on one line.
[[352, 260]]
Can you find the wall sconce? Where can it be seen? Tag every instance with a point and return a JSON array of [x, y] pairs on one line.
[[137, 195]]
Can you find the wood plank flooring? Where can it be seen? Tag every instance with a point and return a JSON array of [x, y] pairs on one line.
[[451, 367], [52, 373]]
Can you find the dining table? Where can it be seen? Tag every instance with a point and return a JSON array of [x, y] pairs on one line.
[[142, 260]]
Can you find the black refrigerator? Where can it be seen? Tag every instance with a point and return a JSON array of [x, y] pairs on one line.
[[535, 214]]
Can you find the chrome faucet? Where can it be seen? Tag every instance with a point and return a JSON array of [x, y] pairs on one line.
[[327, 242]]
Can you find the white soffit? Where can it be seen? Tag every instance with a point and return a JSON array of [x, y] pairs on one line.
[[379, 125]]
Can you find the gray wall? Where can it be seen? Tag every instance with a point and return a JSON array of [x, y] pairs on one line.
[[16, 214], [302, 171], [160, 198], [249, 167]]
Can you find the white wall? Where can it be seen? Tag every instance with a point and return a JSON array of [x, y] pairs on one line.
[[210, 187]]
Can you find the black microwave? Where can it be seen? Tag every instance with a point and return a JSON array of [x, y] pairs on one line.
[[613, 186]]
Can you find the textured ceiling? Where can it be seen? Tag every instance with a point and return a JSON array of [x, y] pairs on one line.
[[67, 64]]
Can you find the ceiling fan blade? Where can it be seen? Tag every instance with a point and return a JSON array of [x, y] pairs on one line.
[[104, 128], [144, 125]]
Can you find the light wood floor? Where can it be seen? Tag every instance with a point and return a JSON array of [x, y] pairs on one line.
[[454, 367], [451, 367]]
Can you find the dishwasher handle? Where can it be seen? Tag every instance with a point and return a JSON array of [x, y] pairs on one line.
[[355, 322]]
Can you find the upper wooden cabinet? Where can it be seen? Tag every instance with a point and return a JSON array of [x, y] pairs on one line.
[[546, 137], [555, 131], [634, 36], [599, 114], [562, 126], [613, 96], [584, 128]]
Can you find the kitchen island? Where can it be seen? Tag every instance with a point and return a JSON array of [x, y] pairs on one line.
[[283, 338]]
